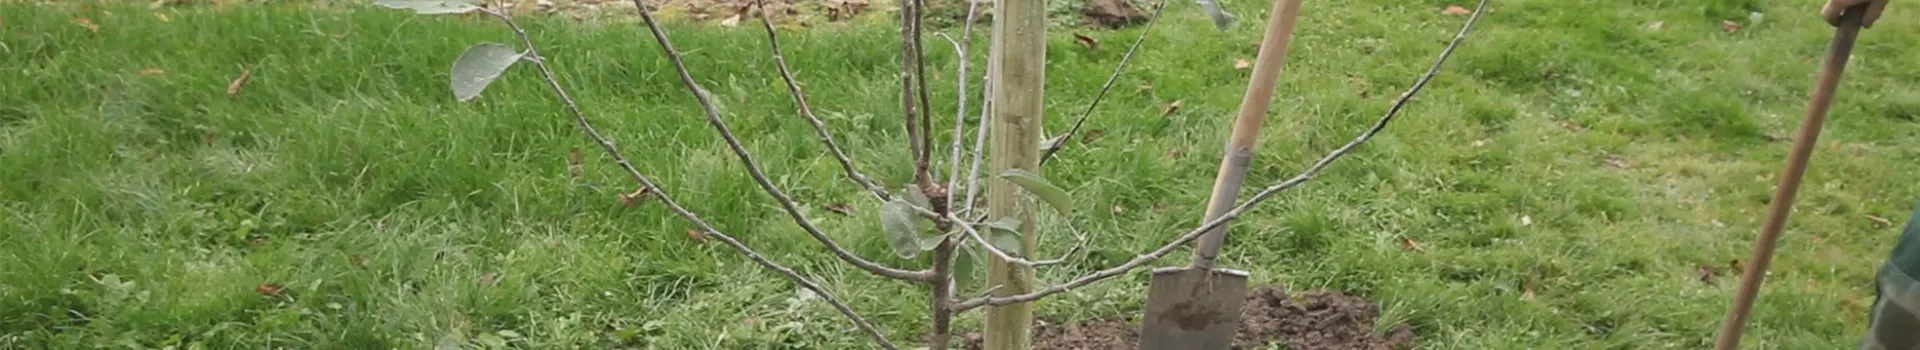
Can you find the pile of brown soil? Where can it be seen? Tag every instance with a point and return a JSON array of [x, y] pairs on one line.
[[1319, 320]]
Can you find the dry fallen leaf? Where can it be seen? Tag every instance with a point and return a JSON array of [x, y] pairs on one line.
[[1408, 244], [1526, 220], [633, 198], [1729, 26], [1241, 63], [575, 165], [1706, 273], [840, 208], [1091, 135], [1171, 107], [697, 236], [1173, 153], [1879, 220], [1480, 143], [1618, 162], [233, 88], [1453, 10], [1117, 209], [1144, 87], [358, 260], [1734, 266], [1161, 207], [152, 71], [1526, 293], [730, 21], [269, 289], [87, 23], [1086, 41], [486, 277]]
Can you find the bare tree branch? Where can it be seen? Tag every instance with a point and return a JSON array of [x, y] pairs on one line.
[[1262, 196], [1080, 239], [819, 127], [553, 81], [753, 168], [1117, 69]]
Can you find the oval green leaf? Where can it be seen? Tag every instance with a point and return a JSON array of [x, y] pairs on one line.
[[902, 227], [479, 66], [1053, 195]]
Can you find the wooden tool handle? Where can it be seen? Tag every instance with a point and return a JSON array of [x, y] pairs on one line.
[[1246, 127]]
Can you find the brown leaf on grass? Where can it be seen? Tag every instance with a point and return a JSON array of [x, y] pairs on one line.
[[1117, 209], [206, 138], [1727, 26], [152, 71], [487, 277], [1093, 134], [1144, 87], [1480, 143], [1880, 220], [1706, 273], [575, 165], [1086, 41], [840, 208], [1173, 153], [1241, 63], [1407, 244], [1527, 292], [83, 22], [233, 87], [1734, 266], [1454, 10], [1161, 207], [697, 236], [1171, 107], [1617, 162], [269, 289], [358, 260], [633, 198]]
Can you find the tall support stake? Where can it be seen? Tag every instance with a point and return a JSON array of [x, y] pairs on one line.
[[1018, 73]]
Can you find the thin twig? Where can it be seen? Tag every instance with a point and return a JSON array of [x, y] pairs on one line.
[[960, 117], [753, 168], [1117, 69], [800, 100], [553, 81], [1079, 241], [1262, 196]]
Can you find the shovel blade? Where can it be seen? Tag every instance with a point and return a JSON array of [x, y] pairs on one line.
[[1192, 309]]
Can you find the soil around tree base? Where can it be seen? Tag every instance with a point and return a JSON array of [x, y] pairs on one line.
[[1316, 320]]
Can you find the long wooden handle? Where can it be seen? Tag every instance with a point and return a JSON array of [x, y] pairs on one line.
[[1246, 127], [1783, 196]]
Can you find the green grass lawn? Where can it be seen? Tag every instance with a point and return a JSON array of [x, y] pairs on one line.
[[1566, 178]]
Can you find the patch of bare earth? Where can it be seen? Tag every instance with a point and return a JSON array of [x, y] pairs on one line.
[[1316, 320]]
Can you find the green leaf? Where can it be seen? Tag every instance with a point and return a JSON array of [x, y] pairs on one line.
[[480, 66], [1039, 186], [1004, 234], [492, 341], [917, 197], [902, 226], [431, 7], [929, 242], [1221, 19], [1008, 242], [965, 267]]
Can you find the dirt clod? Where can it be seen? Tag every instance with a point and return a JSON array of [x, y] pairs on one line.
[[1316, 320]]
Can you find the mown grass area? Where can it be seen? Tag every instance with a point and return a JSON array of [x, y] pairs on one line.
[[1565, 179]]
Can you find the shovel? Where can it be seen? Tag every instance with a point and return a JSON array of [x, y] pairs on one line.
[[1829, 80], [1198, 307]]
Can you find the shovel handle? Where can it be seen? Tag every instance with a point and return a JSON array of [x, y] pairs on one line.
[[1783, 195], [1246, 127]]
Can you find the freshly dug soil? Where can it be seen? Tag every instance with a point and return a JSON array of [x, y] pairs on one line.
[[1320, 320]]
